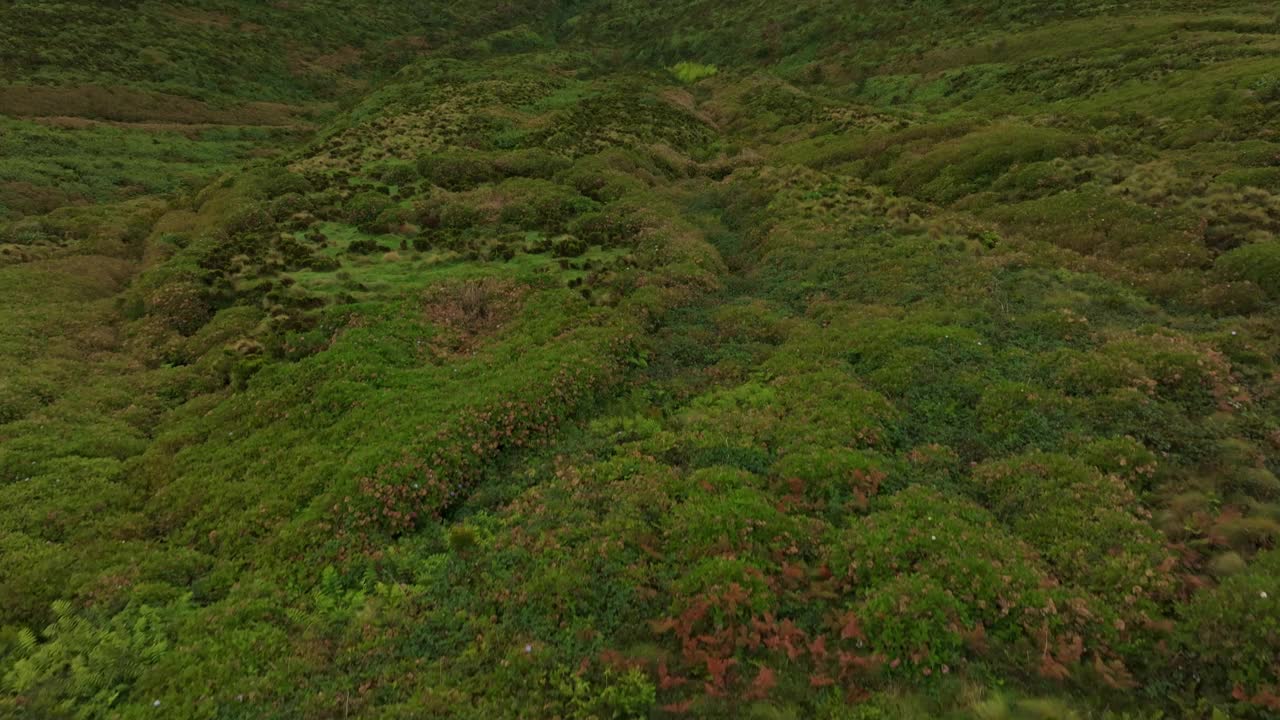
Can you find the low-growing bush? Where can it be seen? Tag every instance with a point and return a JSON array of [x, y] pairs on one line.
[[399, 174], [183, 306], [609, 228], [365, 208], [365, 246], [272, 181], [566, 246], [289, 204], [251, 218], [457, 172], [1240, 297], [541, 205], [1083, 522], [1258, 263], [1232, 632]]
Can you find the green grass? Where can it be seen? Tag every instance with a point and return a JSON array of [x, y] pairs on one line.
[[104, 163]]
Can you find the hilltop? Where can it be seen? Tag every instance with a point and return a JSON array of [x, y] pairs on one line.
[[628, 360]]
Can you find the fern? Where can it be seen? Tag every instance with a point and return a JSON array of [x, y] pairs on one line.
[[26, 640], [692, 72]]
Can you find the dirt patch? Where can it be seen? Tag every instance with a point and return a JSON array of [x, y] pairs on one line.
[[469, 311]]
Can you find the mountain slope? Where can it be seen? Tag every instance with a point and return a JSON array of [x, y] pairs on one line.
[[881, 361]]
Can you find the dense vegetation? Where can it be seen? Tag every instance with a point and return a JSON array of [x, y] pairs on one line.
[[631, 359]]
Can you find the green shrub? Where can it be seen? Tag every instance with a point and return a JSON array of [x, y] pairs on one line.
[[541, 205], [1260, 177], [398, 174], [691, 72], [610, 228], [1177, 369], [946, 563], [1258, 263], [35, 572], [566, 246], [464, 171], [742, 521], [530, 163], [425, 242], [1266, 89], [459, 215], [1090, 220], [1233, 298], [183, 306], [1232, 632], [837, 478], [917, 623], [249, 219], [1082, 521], [712, 574], [1123, 457], [520, 38], [272, 181], [287, 205], [457, 172], [959, 167], [364, 209], [20, 396], [365, 246], [1014, 416]]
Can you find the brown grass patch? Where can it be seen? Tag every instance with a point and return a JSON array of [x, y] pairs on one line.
[[189, 130], [29, 199], [77, 278], [409, 42], [468, 311], [490, 202], [204, 18], [683, 99], [125, 105], [176, 221], [338, 59], [211, 19]]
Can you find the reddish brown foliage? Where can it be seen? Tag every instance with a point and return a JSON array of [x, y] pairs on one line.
[[764, 682], [716, 639]]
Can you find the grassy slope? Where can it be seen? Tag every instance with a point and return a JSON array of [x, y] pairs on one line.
[[106, 101], [916, 364]]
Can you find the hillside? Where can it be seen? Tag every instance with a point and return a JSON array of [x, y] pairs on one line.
[[639, 360]]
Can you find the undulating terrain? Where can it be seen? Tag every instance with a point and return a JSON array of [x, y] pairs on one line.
[[640, 359]]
